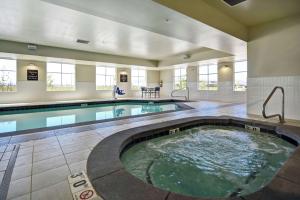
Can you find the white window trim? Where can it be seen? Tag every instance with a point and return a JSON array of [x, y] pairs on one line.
[[180, 77], [131, 77], [16, 90], [115, 77], [75, 83], [198, 78], [233, 85]]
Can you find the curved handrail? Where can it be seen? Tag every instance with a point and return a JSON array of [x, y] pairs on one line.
[[187, 97], [281, 117]]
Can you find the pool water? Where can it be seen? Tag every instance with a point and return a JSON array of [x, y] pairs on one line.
[[57, 116], [208, 161]]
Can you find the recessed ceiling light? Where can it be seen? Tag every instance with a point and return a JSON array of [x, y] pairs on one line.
[[82, 41]]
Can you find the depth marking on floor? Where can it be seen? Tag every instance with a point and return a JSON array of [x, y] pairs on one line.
[[81, 187]]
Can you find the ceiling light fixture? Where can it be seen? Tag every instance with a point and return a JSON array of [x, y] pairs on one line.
[[187, 56]]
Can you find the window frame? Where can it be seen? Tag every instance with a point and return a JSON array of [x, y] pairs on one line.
[[61, 77], [208, 75], [106, 75], [137, 87], [14, 88], [239, 72], [181, 78]]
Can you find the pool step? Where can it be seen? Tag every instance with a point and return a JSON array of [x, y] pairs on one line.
[[173, 131], [252, 128]]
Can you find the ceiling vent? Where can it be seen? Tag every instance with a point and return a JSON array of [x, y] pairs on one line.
[[82, 41], [233, 2], [32, 47]]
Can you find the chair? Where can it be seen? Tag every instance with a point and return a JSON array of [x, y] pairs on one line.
[[144, 91], [120, 92], [157, 91]]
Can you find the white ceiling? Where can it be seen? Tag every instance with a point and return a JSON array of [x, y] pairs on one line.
[[132, 28]]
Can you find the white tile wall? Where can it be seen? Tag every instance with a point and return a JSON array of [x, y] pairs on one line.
[[260, 88]]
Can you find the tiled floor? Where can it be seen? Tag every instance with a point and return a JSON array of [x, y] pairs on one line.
[[42, 165]]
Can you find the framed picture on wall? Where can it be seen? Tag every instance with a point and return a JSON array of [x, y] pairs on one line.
[[32, 75], [123, 78]]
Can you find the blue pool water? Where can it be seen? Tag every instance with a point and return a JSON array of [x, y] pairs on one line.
[[209, 161], [49, 117]]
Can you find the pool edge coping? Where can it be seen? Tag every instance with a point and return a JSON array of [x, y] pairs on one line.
[[99, 170], [180, 103]]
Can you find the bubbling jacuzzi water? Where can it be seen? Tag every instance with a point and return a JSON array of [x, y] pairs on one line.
[[208, 161]]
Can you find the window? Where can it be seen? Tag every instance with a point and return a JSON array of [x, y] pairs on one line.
[[8, 75], [240, 76], [138, 78], [180, 78], [208, 77], [105, 78], [60, 77]]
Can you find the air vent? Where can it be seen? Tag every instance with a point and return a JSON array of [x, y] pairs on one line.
[[234, 2], [32, 47], [186, 56], [82, 41]]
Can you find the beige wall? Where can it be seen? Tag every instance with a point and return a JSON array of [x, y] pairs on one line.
[[36, 91], [24, 65], [274, 60], [200, 10], [125, 86], [226, 71], [274, 48], [224, 93], [54, 52], [153, 77], [85, 73]]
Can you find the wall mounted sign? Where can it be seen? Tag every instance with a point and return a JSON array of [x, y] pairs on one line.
[[123, 78], [32, 75]]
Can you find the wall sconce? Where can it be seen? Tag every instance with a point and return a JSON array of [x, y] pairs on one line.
[[161, 83], [32, 66]]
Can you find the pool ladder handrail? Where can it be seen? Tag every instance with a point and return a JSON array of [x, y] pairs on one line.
[[187, 96], [280, 116]]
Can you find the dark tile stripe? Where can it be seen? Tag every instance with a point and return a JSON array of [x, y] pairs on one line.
[[8, 172]]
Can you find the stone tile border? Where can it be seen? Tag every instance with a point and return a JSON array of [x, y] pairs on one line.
[[113, 182], [179, 103], [8, 172], [77, 129], [67, 104]]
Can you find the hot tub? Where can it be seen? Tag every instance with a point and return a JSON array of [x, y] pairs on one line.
[[200, 158]]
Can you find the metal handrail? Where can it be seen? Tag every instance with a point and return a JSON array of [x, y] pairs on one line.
[[281, 117], [187, 97]]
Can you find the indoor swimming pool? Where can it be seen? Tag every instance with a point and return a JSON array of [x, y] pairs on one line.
[[43, 117]]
